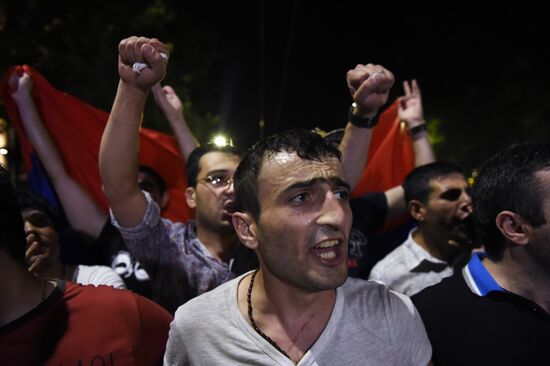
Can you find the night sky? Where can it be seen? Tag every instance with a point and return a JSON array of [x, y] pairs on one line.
[[483, 69]]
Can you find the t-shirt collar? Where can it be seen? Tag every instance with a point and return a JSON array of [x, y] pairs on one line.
[[478, 278]]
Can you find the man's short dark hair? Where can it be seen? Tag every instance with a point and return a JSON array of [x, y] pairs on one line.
[[192, 167], [161, 184], [417, 183], [307, 145], [27, 200], [12, 230], [507, 182]]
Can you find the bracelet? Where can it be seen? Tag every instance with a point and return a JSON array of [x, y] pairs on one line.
[[360, 121], [418, 129]]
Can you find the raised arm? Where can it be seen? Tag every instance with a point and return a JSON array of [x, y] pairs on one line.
[[82, 212], [410, 110], [369, 86], [118, 154], [172, 107]]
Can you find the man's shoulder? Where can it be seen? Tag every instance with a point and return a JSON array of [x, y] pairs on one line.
[[110, 304], [371, 295], [375, 310], [97, 294], [392, 264], [208, 303], [443, 293]]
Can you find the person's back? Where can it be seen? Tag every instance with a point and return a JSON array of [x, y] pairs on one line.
[[461, 314], [86, 325], [45, 322]]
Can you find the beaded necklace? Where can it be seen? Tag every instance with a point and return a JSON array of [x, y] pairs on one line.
[[258, 330]]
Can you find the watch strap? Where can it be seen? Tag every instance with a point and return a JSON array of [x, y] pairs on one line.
[[418, 129], [361, 121]]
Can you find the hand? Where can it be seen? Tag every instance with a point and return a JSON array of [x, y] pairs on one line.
[[369, 86], [168, 101], [409, 106], [36, 254], [145, 50], [21, 83]]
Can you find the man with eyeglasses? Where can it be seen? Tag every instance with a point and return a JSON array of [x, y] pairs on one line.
[[183, 260], [438, 198]]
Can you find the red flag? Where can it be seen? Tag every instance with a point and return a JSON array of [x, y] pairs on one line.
[[76, 128]]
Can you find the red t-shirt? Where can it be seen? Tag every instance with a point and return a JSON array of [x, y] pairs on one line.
[[87, 325]]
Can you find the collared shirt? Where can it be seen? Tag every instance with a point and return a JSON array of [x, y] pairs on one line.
[[179, 265], [471, 320], [478, 279], [481, 283], [410, 268]]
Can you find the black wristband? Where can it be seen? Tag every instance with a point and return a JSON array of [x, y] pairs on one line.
[[417, 129], [360, 121]]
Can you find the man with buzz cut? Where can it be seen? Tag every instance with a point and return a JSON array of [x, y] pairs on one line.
[[438, 198], [300, 306]]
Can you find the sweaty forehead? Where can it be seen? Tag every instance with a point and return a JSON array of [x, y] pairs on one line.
[[284, 169]]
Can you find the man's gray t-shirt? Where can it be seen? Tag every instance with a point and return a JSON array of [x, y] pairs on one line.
[[369, 325]]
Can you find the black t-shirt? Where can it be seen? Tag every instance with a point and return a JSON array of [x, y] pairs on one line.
[[368, 243], [110, 250], [500, 328], [369, 214], [244, 259]]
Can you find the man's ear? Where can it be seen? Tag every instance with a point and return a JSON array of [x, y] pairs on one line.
[[164, 200], [513, 227], [246, 229], [191, 197], [417, 210]]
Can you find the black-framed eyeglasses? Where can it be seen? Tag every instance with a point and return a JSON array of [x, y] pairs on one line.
[[217, 180]]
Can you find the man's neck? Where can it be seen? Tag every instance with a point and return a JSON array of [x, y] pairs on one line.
[[58, 270], [292, 318], [518, 273], [219, 245], [435, 244], [21, 291]]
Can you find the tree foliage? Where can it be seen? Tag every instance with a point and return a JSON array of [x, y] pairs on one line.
[[74, 45]]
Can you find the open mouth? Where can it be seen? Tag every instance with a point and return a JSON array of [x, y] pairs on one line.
[[328, 251], [229, 207]]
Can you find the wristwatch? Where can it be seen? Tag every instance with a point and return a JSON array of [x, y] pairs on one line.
[[360, 121], [418, 129]]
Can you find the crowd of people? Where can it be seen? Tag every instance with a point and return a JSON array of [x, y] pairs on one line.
[[277, 265]]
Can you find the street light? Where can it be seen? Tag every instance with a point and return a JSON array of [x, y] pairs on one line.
[[221, 140]]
